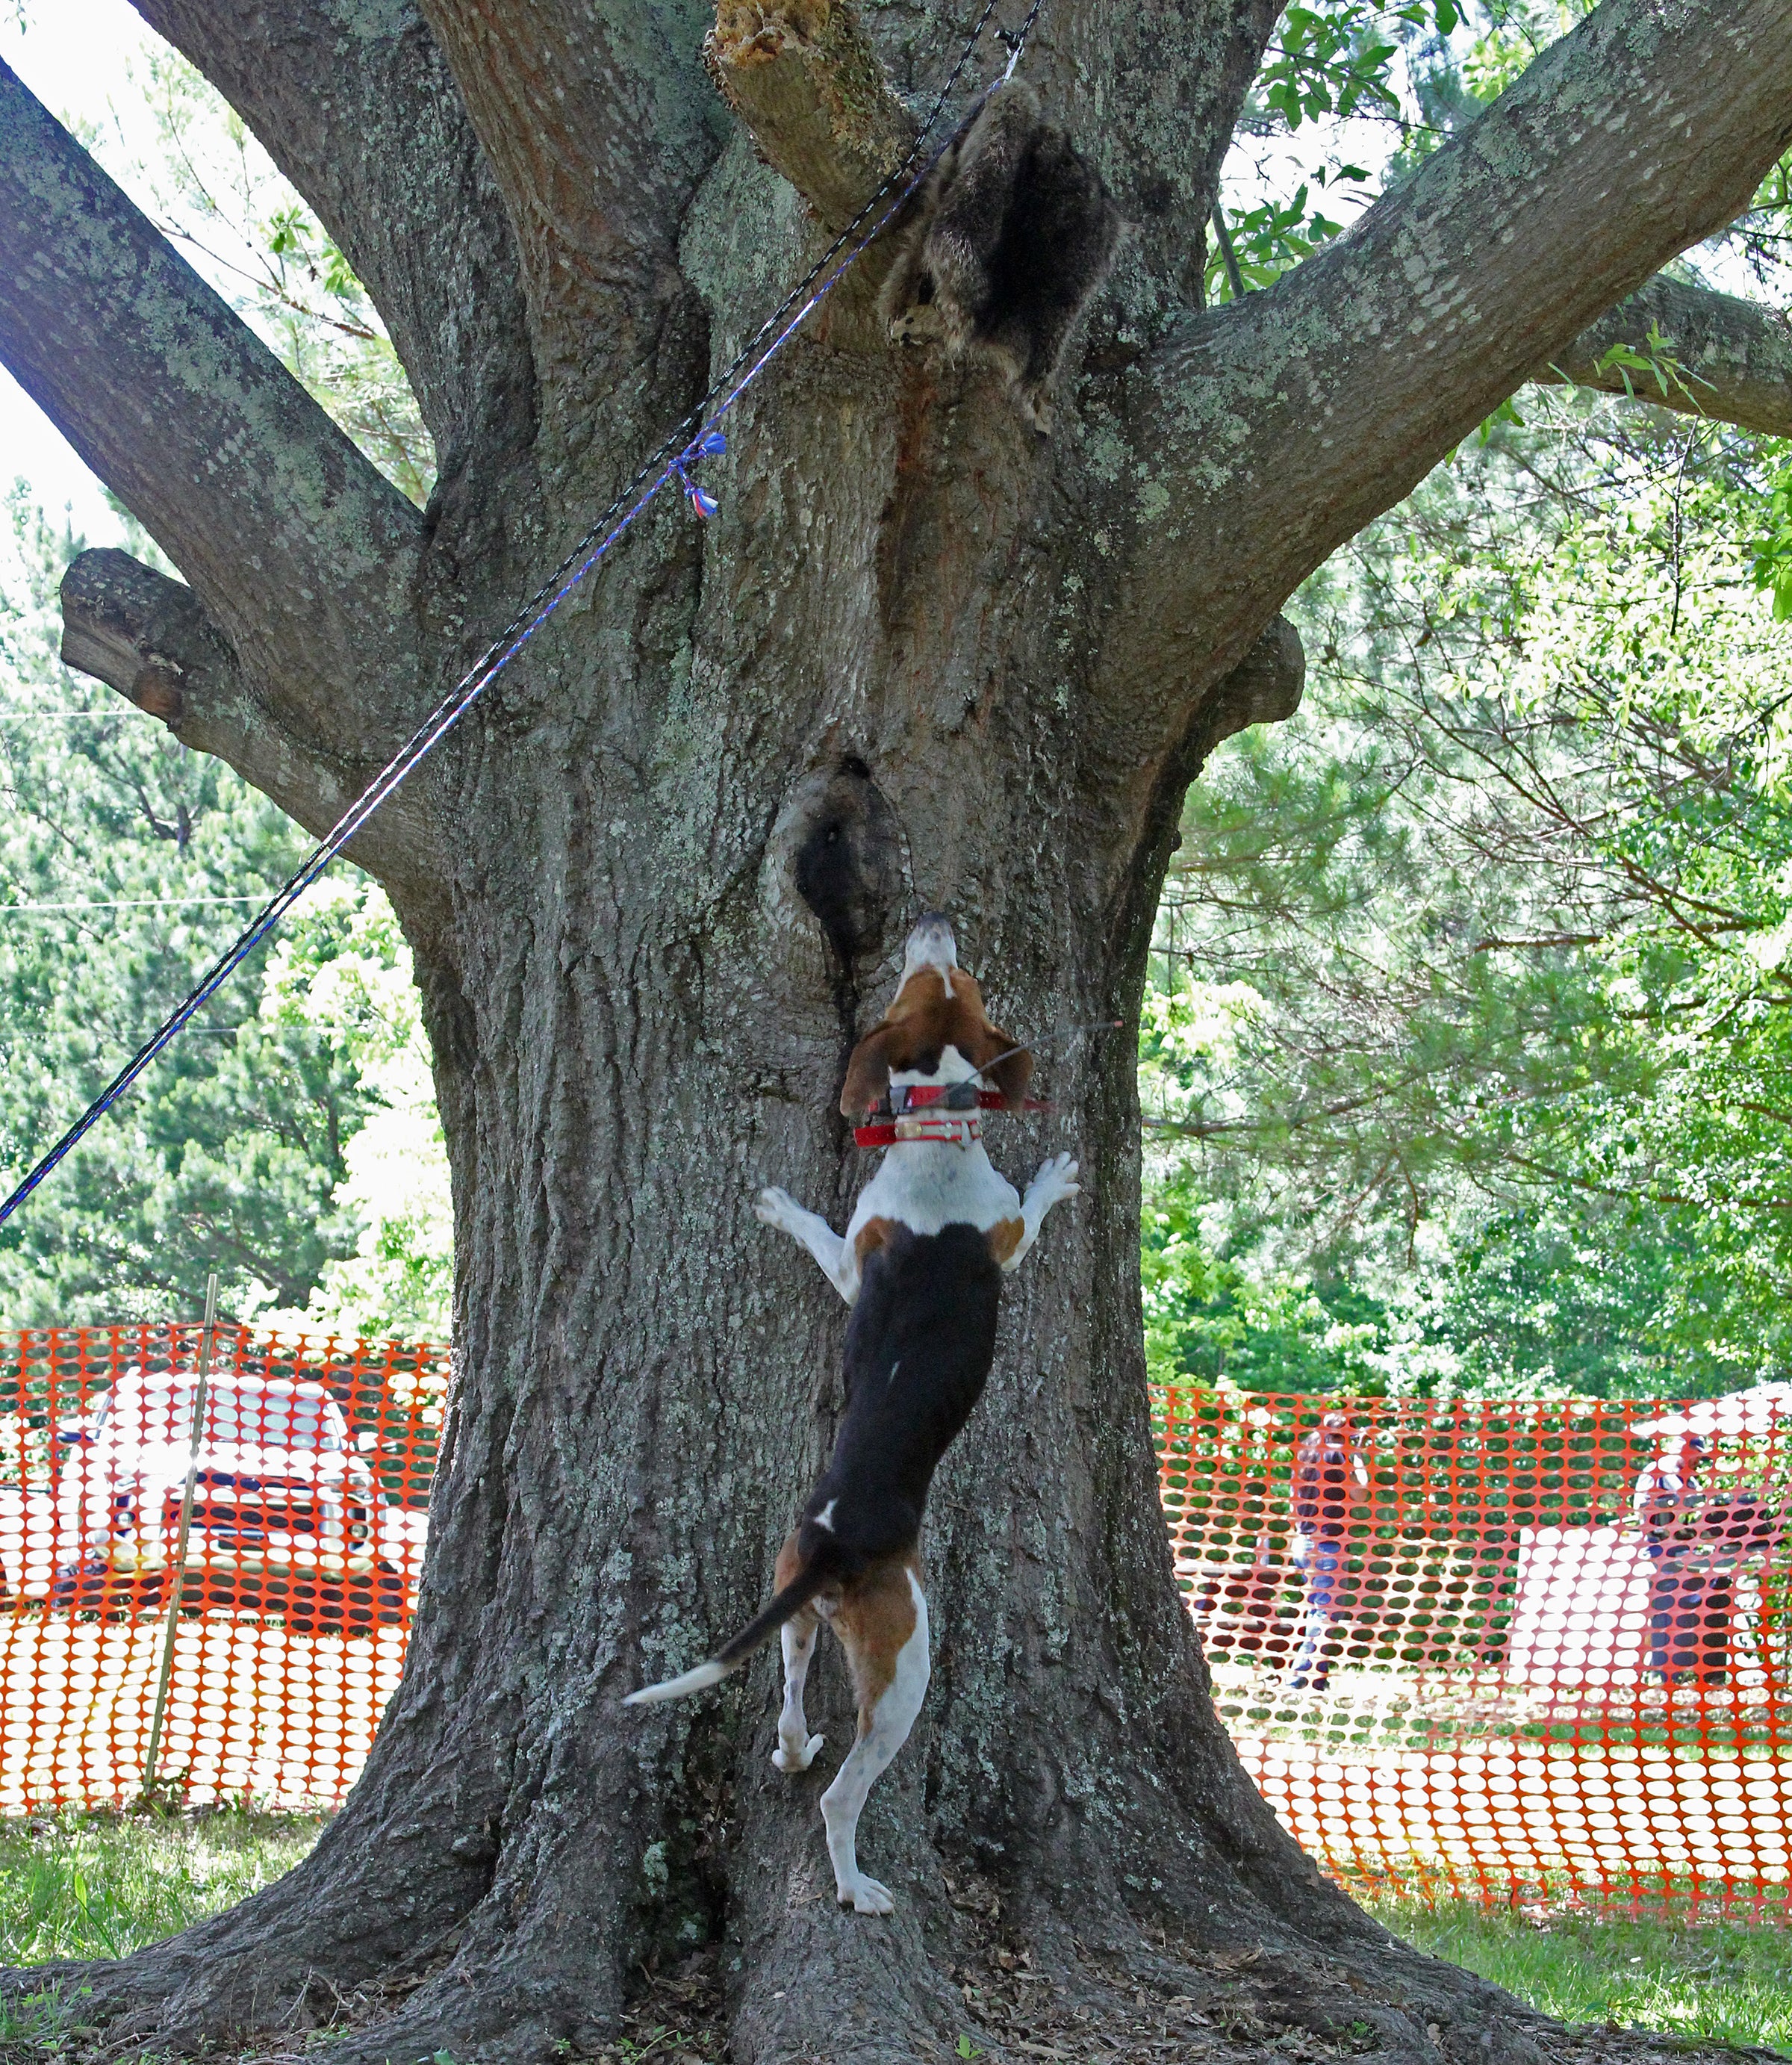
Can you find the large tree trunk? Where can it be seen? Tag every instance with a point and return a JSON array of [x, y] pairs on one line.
[[657, 882], [639, 1017]]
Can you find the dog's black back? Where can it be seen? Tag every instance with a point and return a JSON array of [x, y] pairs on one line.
[[918, 1350]]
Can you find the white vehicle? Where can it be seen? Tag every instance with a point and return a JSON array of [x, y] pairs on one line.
[[285, 1513]]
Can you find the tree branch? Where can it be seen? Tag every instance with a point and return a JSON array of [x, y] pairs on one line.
[[1733, 358], [1283, 423], [598, 124], [1153, 90], [149, 637], [813, 91], [301, 554], [364, 117]]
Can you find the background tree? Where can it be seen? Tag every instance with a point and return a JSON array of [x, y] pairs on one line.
[[1467, 1053], [123, 856], [977, 670], [293, 1144]]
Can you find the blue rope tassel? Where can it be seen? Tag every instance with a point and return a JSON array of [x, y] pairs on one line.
[[681, 453]]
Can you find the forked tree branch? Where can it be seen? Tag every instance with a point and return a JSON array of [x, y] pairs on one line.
[[1285, 421], [1719, 356], [598, 124], [300, 553], [150, 638], [363, 115]]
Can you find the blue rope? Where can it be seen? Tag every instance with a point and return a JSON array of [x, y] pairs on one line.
[[681, 451]]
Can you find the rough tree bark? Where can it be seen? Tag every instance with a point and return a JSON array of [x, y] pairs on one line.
[[977, 668]]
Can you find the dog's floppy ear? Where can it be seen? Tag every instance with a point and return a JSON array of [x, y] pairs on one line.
[[868, 1072], [1012, 1075]]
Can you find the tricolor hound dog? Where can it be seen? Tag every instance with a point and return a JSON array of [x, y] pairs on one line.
[[921, 1264]]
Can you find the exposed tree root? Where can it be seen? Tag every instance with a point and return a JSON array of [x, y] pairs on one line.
[[1004, 1992]]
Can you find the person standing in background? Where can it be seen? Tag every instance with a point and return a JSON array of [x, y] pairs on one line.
[[1664, 1502], [1331, 1488]]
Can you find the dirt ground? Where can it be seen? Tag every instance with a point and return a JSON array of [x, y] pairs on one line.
[[1230, 2009]]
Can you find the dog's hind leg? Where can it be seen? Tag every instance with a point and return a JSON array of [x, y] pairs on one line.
[[795, 1746], [882, 1621]]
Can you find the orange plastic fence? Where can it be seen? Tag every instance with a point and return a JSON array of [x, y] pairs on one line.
[[311, 1475], [1520, 1651], [1517, 1651]]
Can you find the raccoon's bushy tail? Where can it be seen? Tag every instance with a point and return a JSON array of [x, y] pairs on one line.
[[735, 1651]]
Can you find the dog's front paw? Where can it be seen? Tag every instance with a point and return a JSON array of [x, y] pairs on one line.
[[787, 1759], [865, 1896], [777, 1208], [1057, 1180]]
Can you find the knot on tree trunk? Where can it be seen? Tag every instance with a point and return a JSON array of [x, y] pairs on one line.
[[1264, 687]]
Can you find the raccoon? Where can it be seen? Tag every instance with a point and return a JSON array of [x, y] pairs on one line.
[[1009, 237]]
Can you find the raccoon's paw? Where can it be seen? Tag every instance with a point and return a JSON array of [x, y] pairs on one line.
[[1035, 400]]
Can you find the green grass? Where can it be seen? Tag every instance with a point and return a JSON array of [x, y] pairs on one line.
[[90, 1885], [1728, 1982]]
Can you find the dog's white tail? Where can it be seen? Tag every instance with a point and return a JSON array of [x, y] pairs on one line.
[[735, 1651], [699, 1681]]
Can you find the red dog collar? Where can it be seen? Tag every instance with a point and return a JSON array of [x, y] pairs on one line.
[[958, 1127]]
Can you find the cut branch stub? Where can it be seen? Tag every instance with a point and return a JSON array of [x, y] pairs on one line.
[[815, 97], [301, 553], [1264, 687], [145, 635], [150, 638]]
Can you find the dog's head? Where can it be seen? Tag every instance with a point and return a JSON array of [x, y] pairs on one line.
[[936, 1031]]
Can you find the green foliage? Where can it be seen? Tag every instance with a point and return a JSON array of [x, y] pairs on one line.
[[1468, 1060], [398, 1284], [126, 862], [1773, 554], [1337, 60]]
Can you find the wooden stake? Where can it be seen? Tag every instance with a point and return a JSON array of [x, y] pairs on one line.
[[206, 1334]]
